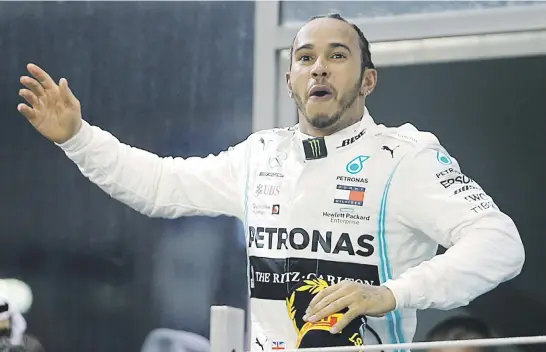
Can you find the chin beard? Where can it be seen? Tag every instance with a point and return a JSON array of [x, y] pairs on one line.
[[324, 121], [319, 121]]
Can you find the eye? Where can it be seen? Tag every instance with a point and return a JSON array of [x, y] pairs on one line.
[[304, 58], [339, 56]]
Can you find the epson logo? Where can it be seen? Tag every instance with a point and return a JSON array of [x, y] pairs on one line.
[[352, 179], [301, 239], [351, 140], [456, 180]]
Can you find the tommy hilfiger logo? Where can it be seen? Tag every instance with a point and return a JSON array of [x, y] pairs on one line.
[[349, 195]]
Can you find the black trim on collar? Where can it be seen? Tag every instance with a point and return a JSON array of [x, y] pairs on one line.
[[4, 307], [315, 148]]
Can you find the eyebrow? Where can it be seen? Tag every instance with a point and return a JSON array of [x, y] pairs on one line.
[[332, 46]]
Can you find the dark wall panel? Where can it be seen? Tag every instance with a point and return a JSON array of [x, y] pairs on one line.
[[174, 78]]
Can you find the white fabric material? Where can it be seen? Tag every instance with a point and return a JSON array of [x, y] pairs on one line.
[[406, 195], [18, 293], [18, 324], [18, 328]]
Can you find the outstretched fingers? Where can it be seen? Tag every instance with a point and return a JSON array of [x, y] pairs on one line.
[[66, 93], [33, 85], [30, 97], [42, 76], [27, 112]]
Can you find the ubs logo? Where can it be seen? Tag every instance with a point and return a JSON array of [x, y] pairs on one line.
[[267, 190]]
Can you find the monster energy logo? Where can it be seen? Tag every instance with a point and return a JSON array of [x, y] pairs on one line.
[[315, 147]]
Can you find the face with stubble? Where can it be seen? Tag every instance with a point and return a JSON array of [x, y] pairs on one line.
[[326, 78]]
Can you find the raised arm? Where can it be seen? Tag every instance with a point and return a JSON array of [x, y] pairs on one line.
[[159, 187]]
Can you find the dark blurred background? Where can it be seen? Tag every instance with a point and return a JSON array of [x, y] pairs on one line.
[[176, 78]]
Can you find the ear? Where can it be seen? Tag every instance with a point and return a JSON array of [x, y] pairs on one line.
[[368, 82], [288, 84]]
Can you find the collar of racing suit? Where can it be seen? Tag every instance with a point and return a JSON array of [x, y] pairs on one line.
[[321, 147]]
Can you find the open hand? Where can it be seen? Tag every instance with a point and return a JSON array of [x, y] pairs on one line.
[[361, 299], [53, 110]]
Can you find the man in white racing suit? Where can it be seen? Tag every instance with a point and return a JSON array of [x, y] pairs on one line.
[[338, 197]]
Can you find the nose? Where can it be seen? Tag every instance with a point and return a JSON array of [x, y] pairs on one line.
[[320, 70]]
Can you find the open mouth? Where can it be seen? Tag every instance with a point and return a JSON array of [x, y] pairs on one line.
[[320, 92]]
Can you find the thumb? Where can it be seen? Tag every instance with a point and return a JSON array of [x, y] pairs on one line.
[[66, 93]]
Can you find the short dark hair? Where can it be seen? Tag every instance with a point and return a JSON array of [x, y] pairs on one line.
[[365, 54], [461, 328]]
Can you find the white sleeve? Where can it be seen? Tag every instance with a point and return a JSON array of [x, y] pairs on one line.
[[484, 246], [18, 328], [160, 187]]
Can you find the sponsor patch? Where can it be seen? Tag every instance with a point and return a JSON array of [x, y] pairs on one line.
[[349, 195], [356, 165], [274, 278]]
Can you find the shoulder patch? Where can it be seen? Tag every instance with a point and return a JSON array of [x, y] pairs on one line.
[[266, 139], [408, 133], [273, 133], [443, 158]]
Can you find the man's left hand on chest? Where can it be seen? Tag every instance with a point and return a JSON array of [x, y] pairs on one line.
[[360, 299]]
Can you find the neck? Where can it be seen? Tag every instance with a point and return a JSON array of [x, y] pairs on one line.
[[344, 122]]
